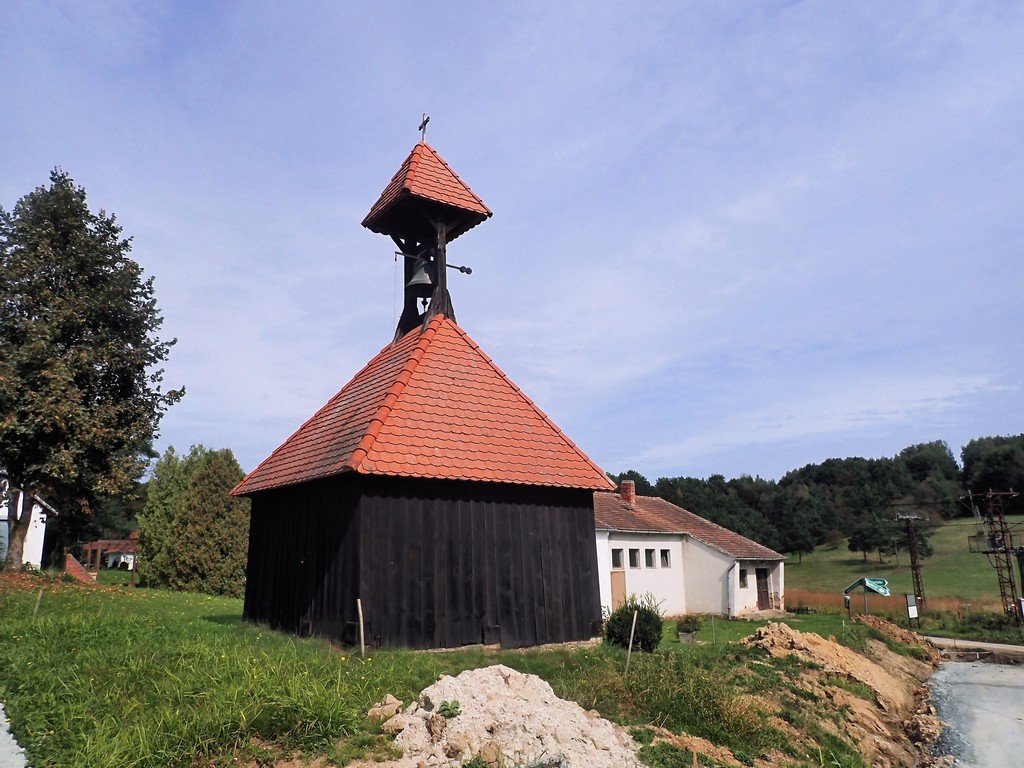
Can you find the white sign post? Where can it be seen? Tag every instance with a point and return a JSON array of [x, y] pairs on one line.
[[912, 610]]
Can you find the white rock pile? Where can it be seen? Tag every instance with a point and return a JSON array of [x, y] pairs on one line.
[[507, 719]]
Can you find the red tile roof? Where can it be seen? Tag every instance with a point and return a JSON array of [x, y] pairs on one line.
[[431, 405], [426, 175], [653, 515]]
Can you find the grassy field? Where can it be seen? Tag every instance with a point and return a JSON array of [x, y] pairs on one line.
[[115, 576], [953, 575], [109, 677]]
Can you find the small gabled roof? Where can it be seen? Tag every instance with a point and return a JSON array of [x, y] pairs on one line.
[[431, 405], [426, 176], [650, 514]]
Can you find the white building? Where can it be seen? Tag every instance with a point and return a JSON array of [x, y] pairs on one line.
[[32, 554], [645, 544]]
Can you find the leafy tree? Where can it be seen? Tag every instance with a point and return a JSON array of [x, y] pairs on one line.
[[798, 518], [193, 536], [80, 386], [871, 534], [995, 463], [901, 539], [643, 485], [930, 460], [719, 501]]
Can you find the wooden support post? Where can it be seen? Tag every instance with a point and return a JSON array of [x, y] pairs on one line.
[[629, 652], [362, 635]]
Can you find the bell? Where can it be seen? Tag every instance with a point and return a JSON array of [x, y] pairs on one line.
[[420, 284]]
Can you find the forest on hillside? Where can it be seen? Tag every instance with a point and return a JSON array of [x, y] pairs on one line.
[[852, 497]]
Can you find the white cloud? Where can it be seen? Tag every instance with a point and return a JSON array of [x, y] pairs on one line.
[[832, 407]]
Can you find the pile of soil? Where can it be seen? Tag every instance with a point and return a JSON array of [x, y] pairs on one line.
[[893, 730], [900, 635], [506, 718]]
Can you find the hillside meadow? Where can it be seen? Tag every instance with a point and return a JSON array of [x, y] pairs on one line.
[[954, 578]]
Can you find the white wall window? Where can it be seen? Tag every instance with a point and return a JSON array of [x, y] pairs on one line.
[[743, 578], [616, 558], [649, 558], [666, 558], [634, 558]]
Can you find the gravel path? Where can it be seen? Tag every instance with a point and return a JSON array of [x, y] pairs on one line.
[[11, 755], [983, 705]]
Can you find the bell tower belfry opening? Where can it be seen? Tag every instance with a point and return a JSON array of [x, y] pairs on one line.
[[423, 209]]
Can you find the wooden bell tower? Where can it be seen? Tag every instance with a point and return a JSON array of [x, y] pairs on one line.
[[425, 207]]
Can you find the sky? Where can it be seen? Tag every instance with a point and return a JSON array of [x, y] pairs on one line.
[[728, 238]]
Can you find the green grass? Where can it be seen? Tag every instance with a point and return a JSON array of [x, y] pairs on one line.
[[151, 678], [142, 678], [952, 572], [114, 576]]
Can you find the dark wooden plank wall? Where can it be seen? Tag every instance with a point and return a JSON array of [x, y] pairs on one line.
[[442, 560], [303, 568]]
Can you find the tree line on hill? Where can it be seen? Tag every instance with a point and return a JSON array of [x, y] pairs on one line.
[[852, 498]]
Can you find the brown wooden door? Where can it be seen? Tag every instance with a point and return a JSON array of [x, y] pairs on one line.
[[763, 599], [618, 588]]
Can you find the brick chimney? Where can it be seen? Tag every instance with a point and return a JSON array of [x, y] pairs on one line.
[[627, 492]]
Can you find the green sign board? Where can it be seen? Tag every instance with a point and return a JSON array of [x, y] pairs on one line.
[[881, 586]]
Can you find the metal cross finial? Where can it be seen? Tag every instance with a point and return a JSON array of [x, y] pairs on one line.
[[423, 127]]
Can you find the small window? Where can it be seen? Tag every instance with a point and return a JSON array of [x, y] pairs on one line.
[[616, 558], [634, 558], [666, 558], [649, 558], [743, 578]]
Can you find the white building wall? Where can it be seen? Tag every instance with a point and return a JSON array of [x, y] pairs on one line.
[[746, 597], [707, 578], [604, 568], [668, 585], [117, 558], [32, 554]]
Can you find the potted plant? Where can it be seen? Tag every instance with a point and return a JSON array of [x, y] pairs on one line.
[[688, 627]]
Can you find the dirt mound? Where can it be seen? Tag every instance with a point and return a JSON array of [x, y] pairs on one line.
[[900, 635], [781, 640], [895, 728], [507, 719]]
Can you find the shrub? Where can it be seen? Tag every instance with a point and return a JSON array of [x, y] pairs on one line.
[[648, 623], [689, 623]]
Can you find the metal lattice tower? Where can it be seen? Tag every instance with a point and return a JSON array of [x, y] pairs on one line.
[[915, 561], [996, 541]]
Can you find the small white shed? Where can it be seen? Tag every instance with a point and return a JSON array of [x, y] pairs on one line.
[[645, 544], [32, 553]]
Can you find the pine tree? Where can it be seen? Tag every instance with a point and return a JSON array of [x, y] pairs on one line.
[[165, 500], [212, 537], [193, 536]]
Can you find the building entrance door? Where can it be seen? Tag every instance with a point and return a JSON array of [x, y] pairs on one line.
[[763, 598], [618, 588]]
